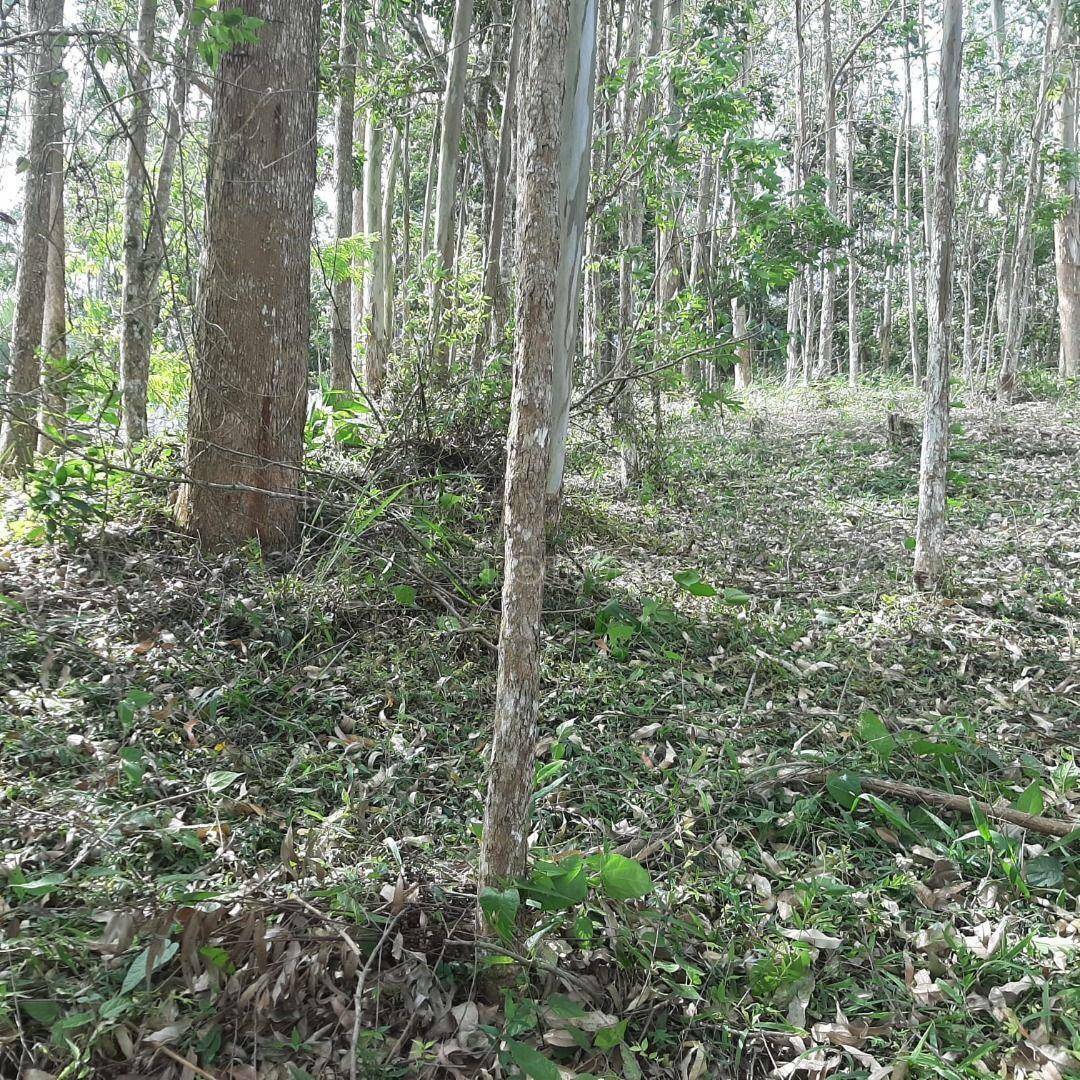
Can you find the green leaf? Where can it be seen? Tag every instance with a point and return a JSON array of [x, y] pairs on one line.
[[909, 543], [133, 764], [844, 789], [500, 908], [221, 780], [692, 582], [405, 595], [44, 1012], [39, 886], [1044, 872], [531, 1062], [137, 973], [1030, 800], [874, 732], [566, 1007], [623, 879], [610, 1037], [736, 596]]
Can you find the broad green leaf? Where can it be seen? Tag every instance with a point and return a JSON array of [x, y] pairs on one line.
[[221, 780], [405, 595], [39, 886], [500, 908], [137, 973], [45, 1012], [531, 1062], [736, 596], [623, 879], [1044, 872], [874, 732], [610, 1037], [1030, 800], [845, 789], [692, 582]]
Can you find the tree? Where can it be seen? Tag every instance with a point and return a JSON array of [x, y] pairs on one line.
[[504, 846], [1067, 234], [934, 463], [249, 377], [145, 231], [19, 436], [341, 330]]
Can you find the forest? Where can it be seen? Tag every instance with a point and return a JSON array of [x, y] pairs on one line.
[[539, 539]]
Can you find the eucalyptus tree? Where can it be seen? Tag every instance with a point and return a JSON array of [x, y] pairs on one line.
[[934, 461], [248, 398], [1067, 230], [18, 438], [147, 202]]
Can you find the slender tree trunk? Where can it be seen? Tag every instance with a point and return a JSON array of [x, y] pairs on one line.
[[341, 348], [885, 338], [933, 467], [743, 348], [494, 287], [507, 810], [579, 85], [852, 264], [135, 333], [1016, 312], [429, 190], [796, 342], [912, 290], [249, 380], [374, 292], [145, 243], [825, 366], [386, 248], [54, 321], [700, 251], [449, 157], [667, 252], [1067, 240], [19, 438]]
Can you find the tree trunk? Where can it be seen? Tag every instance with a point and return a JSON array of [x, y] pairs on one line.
[[930, 529], [912, 290], [885, 338], [699, 252], [744, 349], [19, 437], [825, 366], [491, 327], [54, 321], [341, 348], [504, 847], [449, 157], [145, 232], [1067, 239], [1022, 251], [249, 379], [579, 84], [796, 342], [852, 265], [135, 334], [667, 252], [374, 293]]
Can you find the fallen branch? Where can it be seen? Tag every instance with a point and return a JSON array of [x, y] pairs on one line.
[[929, 797]]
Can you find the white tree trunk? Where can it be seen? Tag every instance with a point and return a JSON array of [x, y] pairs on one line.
[[374, 293], [934, 463], [1067, 240], [825, 367], [507, 809]]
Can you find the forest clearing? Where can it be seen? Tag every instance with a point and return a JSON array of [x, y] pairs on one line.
[[539, 540]]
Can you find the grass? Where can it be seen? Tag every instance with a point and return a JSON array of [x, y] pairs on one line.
[[214, 772]]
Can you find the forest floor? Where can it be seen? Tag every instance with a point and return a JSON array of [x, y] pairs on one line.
[[238, 796]]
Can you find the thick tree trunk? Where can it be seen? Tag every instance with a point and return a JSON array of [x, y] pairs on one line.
[[1067, 240], [19, 437], [933, 467], [504, 847], [699, 252], [54, 321], [249, 380], [144, 245], [744, 349], [374, 293], [341, 348]]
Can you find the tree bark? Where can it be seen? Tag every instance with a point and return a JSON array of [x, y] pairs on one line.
[[796, 342], [371, 330], [341, 348], [504, 847], [145, 230], [249, 380], [449, 157], [699, 252], [933, 467], [579, 83], [825, 367], [912, 290], [54, 321], [19, 437], [852, 263], [1067, 239]]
